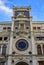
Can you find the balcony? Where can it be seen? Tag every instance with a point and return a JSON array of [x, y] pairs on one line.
[[22, 31], [39, 39], [21, 18]]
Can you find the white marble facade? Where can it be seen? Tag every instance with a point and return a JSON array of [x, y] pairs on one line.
[[22, 40]]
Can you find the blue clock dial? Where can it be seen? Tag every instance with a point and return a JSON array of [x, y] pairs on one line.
[[21, 44]]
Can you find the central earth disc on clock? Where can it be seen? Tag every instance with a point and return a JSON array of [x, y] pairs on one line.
[[21, 44]]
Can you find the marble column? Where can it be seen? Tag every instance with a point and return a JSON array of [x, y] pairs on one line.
[[33, 44], [10, 44], [32, 37], [34, 61]]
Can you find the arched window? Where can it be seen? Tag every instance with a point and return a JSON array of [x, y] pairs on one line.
[[39, 51], [43, 49], [4, 50]]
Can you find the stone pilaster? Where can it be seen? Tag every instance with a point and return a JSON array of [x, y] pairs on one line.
[[10, 44]]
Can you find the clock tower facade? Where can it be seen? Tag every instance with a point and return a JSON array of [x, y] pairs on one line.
[[21, 38]]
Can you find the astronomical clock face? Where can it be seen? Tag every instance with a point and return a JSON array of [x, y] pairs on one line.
[[21, 45]]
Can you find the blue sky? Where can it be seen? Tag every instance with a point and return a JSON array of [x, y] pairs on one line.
[[37, 10]]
